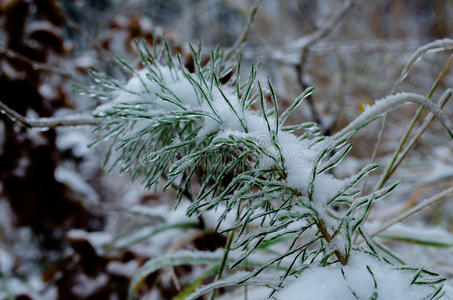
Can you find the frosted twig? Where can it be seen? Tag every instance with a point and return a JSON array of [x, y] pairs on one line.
[[443, 100], [425, 203], [391, 103], [437, 45], [47, 122], [245, 34], [412, 124]]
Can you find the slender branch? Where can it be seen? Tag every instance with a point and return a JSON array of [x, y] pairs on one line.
[[245, 34], [422, 205], [438, 45], [77, 120]]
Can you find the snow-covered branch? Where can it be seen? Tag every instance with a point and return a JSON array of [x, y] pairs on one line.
[[75, 120]]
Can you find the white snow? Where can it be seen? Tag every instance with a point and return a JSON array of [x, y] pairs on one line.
[[298, 160], [252, 292], [6, 261], [78, 184], [211, 218], [86, 286], [326, 283], [76, 140], [97, 239], [11, 72], [22, 166], [85, 61], [123, 269], [48, 91]]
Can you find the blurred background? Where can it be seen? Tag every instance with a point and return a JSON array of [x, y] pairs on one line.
[[57, 204]]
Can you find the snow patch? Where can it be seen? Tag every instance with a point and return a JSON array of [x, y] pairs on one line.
[[76, 182], [326, 283], [86, 286], [123, 269]]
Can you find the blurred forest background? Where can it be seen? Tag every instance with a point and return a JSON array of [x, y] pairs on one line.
[[63, 219]]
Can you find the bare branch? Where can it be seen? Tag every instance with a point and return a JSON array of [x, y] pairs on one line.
[[76, 120], [304, 85], [305, 43], [438, 45], [37, 65], [311, 39]]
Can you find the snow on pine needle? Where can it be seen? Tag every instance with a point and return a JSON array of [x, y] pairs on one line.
[[206, 138]]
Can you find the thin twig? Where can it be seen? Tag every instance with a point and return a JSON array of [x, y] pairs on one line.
[[77, 120], [422, 205], [245, 34]]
